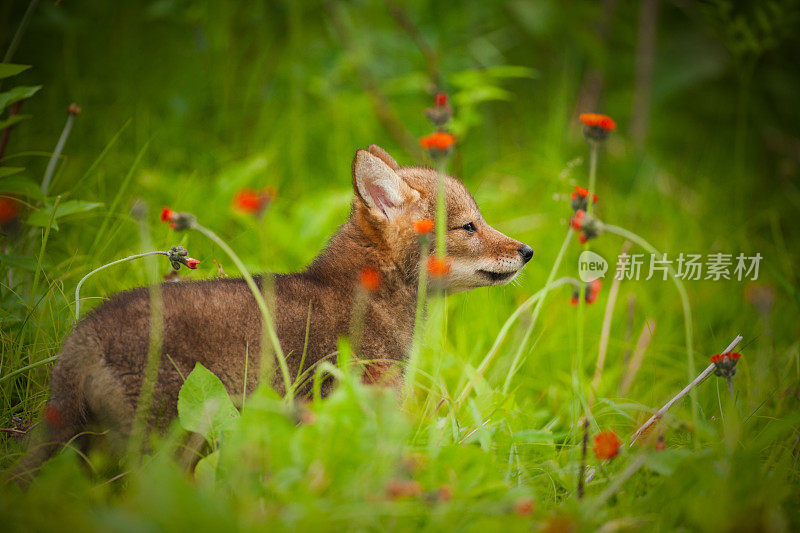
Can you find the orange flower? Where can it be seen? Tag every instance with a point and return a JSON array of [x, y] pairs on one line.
[[438, 267], [253, 202], [596, 120], [370, 278], [439, 141], [606, 445], [524, 507], [423, 226], [593, 291], [53, 416], [400, 488], [8, 210], [167, 214], [579, 199], [444, 494], [177, 221], [191, 263], [577, 221]]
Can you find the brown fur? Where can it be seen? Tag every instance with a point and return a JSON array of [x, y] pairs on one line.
[[99, 374]]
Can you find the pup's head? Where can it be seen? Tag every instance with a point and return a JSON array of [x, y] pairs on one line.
[[390, 198]]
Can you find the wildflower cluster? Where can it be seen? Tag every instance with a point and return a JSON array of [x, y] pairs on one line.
[[725, 364], [252, 202], [597, 126], [439, 142], [579, 200], [590, 294], [587, 226], [177, 221], [179, 256]]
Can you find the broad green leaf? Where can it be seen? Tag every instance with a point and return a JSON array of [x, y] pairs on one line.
[[70, 207], [10, 69], [21, 186], [204, 406], [8, 171], [16, 94], [10, 121], [206, 470]]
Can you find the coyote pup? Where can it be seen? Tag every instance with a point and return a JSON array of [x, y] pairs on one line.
[[99, 374]]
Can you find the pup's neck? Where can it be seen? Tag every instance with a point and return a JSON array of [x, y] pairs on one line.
[[357, 245]]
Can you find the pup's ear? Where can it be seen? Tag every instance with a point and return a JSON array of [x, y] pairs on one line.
[[384, 156], [378, 186]]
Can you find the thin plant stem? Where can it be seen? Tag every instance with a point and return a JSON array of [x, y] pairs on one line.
[[33, 303], [145, 401], [262, 305], [594, 148], [495, 349], [620, 480], [605, 332], [517, 361], [441, 207], [42, 248], [51, 165], [690, 387], [687, 308], [577, 360], [23, 25], [584, 443], [31, 366], [419, 316], [98, 269]]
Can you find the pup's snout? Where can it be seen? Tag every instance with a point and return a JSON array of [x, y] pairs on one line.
[[526, 252]]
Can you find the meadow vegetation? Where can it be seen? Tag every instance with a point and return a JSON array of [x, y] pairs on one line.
[[193, 104]]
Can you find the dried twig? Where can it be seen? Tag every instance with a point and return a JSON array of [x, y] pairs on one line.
[[638, 355], [699, 379], [606, 331]]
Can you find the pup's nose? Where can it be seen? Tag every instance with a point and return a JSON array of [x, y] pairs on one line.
[[526, 252]]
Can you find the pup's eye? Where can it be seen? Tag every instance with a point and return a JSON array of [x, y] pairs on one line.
[[469, 227]]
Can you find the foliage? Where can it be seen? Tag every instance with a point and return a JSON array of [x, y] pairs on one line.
[[186, 103]]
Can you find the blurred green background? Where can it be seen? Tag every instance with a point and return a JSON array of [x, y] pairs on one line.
[[184, 103]]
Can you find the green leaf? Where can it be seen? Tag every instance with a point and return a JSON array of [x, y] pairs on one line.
[[42, 216], [205, 472], [8, 171], [667, 461], [10, 121], [537, 436], [21, 186], [16, 94], [204, 406], [19, 261], [10, 69]]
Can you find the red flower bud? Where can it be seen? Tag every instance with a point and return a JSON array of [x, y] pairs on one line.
[[191, 263], [167, 214]]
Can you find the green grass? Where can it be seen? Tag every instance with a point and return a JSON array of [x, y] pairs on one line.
[[185, 104]]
